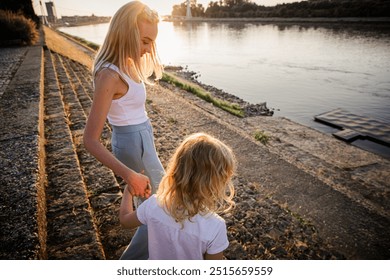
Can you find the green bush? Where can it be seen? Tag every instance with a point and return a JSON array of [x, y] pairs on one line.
[[16, 29], [261, 136]]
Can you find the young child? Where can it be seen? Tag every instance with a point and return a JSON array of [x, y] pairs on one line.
[[182, 217]]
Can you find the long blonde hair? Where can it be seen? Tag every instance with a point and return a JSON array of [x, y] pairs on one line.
[[121, 46], [198, 178]]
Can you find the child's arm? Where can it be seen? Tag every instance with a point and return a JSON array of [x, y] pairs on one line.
[[127, 216], [218, 256]]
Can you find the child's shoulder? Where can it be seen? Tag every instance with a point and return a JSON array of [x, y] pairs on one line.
[[151, 200], [213, 218], [149, 207], [151, 203], [211, 225]]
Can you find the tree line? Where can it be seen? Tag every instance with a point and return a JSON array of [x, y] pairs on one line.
[[309, 8]]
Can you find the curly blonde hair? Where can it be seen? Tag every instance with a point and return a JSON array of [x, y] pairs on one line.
[[121, 46], [198, 178]]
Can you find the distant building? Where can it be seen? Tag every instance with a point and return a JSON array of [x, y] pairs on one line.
[[51, 12], [82, 20]]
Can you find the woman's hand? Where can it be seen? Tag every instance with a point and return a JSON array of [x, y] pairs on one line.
[[139, 185]]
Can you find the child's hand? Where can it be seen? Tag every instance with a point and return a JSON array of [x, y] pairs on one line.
[[148, 190]]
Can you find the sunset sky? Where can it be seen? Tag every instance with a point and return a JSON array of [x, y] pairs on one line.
[[108, 8]]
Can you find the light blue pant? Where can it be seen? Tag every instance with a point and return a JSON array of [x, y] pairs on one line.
[[134, 146]]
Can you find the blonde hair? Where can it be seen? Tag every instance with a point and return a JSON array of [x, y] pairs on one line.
[[121, 46], [198, 178]]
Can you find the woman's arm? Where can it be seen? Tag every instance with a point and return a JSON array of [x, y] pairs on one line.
[[127, 216], [106, 86]]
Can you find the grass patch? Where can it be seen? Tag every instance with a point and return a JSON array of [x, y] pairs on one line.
[[261, 136], [232, 108], [82, 41]]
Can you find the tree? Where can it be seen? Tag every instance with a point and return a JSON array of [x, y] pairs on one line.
[[309, 8], [24, 7]]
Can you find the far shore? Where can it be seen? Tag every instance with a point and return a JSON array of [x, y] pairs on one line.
[[343, 20], [382, 20], [73, 24]]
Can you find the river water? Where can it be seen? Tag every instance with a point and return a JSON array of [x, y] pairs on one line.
[[300, 70]]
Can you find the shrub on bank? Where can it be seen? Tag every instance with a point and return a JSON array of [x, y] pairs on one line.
[[16, 29]]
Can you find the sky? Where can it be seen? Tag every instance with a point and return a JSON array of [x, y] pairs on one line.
[[108, 8]]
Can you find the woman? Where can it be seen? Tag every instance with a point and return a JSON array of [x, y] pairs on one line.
[[123, 64]]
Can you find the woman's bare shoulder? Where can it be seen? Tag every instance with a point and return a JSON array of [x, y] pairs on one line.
[[107, 75], [108, 80]]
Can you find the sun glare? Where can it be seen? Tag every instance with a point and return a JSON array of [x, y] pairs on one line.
[[168, 44]]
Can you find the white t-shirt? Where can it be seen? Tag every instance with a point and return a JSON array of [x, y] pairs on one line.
[[168, 240], [130, 108]]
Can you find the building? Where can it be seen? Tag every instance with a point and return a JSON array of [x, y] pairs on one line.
[[51, 12]]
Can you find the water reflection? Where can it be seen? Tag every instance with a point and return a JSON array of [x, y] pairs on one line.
[[187, 25]]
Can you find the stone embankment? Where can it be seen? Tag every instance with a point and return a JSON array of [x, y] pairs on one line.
[[304, 195]]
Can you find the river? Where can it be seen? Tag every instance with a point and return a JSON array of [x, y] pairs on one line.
[[300, 70]]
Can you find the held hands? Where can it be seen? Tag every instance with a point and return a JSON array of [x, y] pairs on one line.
[[139, 185]]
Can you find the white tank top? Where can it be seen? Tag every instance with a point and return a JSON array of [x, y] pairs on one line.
[[130, 108]]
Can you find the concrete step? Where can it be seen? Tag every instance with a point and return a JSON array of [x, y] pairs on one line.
[[71, 230], [103, 190], [82, 83]]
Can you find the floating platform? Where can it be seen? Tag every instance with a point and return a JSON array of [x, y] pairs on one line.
[[355, 127]]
